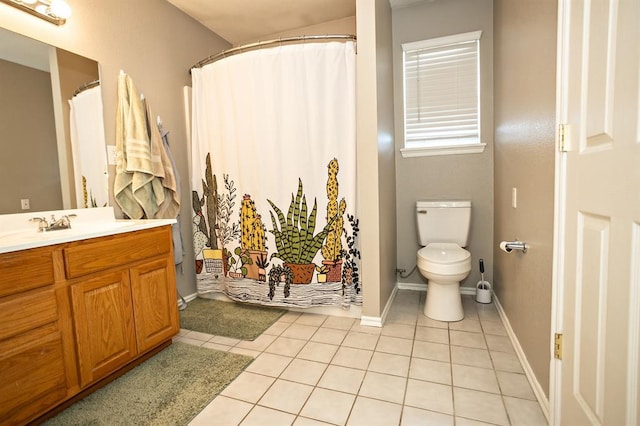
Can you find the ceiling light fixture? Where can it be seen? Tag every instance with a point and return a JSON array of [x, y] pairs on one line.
[[54, 11]]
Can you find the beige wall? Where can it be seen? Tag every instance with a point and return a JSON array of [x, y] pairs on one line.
[[153, 42], [339, 26], [27, 132], [376, 155], [525, 57], [465, 177]]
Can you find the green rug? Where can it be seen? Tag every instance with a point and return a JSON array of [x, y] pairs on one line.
[[170, 388], [230, 319]]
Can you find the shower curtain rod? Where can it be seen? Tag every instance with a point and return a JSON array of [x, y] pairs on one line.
[[86, 86], [260, 44]]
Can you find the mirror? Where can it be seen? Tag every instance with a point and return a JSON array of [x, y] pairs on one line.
[[39, 165]]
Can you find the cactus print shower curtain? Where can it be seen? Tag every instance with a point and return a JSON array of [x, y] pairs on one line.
[[273, 176]]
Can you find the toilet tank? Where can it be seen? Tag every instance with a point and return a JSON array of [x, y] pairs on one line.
[[443, 222]]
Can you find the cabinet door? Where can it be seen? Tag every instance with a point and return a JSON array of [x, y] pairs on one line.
[[103, 319], [155, 304]]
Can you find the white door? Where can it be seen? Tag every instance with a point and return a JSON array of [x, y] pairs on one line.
[[597, 264]]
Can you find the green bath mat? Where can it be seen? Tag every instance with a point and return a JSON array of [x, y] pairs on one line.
[[230, 319], [170, 388]]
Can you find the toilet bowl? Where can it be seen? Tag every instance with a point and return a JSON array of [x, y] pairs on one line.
[[444, 265]]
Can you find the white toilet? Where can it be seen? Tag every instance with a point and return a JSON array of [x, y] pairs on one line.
[[443, 227]]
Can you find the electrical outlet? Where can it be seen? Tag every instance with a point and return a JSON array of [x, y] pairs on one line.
[[24, 203], [111, 155]]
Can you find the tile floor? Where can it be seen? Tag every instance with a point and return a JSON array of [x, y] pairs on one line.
[[313, 369]]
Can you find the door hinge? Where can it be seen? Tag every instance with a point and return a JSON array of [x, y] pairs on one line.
[[557, 346], [563, 137]]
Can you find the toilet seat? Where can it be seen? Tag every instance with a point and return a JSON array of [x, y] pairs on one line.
[[444, 259], [444, 253]]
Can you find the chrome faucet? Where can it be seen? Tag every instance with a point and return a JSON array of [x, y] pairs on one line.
[[53, 224]]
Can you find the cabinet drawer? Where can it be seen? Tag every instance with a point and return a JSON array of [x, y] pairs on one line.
[[25, 270], [19, 314], [95, 255], [33, 375]]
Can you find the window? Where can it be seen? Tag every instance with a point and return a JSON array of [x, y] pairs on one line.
[[442, 96]]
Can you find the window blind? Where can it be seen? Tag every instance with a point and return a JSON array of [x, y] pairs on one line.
[[441, 92]]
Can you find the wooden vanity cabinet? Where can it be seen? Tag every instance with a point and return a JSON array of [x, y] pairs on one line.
[[125, 301], [74, 314]]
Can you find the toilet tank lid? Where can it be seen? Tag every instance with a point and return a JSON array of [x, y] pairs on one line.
[[443, 203]]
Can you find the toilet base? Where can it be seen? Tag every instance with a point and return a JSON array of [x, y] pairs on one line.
[[444, 302]]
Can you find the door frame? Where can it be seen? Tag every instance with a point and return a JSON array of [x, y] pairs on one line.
[[560, 191]]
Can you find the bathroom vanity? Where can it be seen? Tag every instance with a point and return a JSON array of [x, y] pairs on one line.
[[79, 308]]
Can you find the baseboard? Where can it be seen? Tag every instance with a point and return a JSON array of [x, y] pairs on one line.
[[468, 291], [379, 321], [424, 287], [528, 371], [190, 297], [411, 286]]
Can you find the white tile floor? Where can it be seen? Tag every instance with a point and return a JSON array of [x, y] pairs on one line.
[[312, 369]]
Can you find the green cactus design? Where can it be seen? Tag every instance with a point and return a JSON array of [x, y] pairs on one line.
[[333, 247], [253, 234], [295, 241], [210, 191]]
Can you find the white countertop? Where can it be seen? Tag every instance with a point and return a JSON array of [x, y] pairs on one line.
[[17, 232]]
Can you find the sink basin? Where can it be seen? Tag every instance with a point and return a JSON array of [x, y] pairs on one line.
[[21, 239], [18, 232]]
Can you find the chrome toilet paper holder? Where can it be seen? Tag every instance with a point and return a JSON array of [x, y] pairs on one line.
[[509, 246]]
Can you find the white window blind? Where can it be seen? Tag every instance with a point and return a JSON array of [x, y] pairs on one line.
[[441, 92]]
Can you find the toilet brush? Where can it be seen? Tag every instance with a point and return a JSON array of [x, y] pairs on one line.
[[483, 288]]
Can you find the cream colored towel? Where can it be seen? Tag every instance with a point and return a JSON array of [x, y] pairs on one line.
[[137, 186], [163, 169]]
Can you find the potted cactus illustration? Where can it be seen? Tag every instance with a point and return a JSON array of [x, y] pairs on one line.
[[213, 255], [332, 249], [262, 263], [321, 274], [279, 274], [239, 264], [351, 255], [295, 241], [253, 236]]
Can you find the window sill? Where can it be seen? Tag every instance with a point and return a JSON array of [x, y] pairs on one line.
[[476, 148]]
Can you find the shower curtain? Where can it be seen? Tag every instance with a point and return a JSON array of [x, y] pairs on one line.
[[273, 176], [88, 149]]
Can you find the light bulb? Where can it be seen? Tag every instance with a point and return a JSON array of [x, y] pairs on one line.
[[60, 9]]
